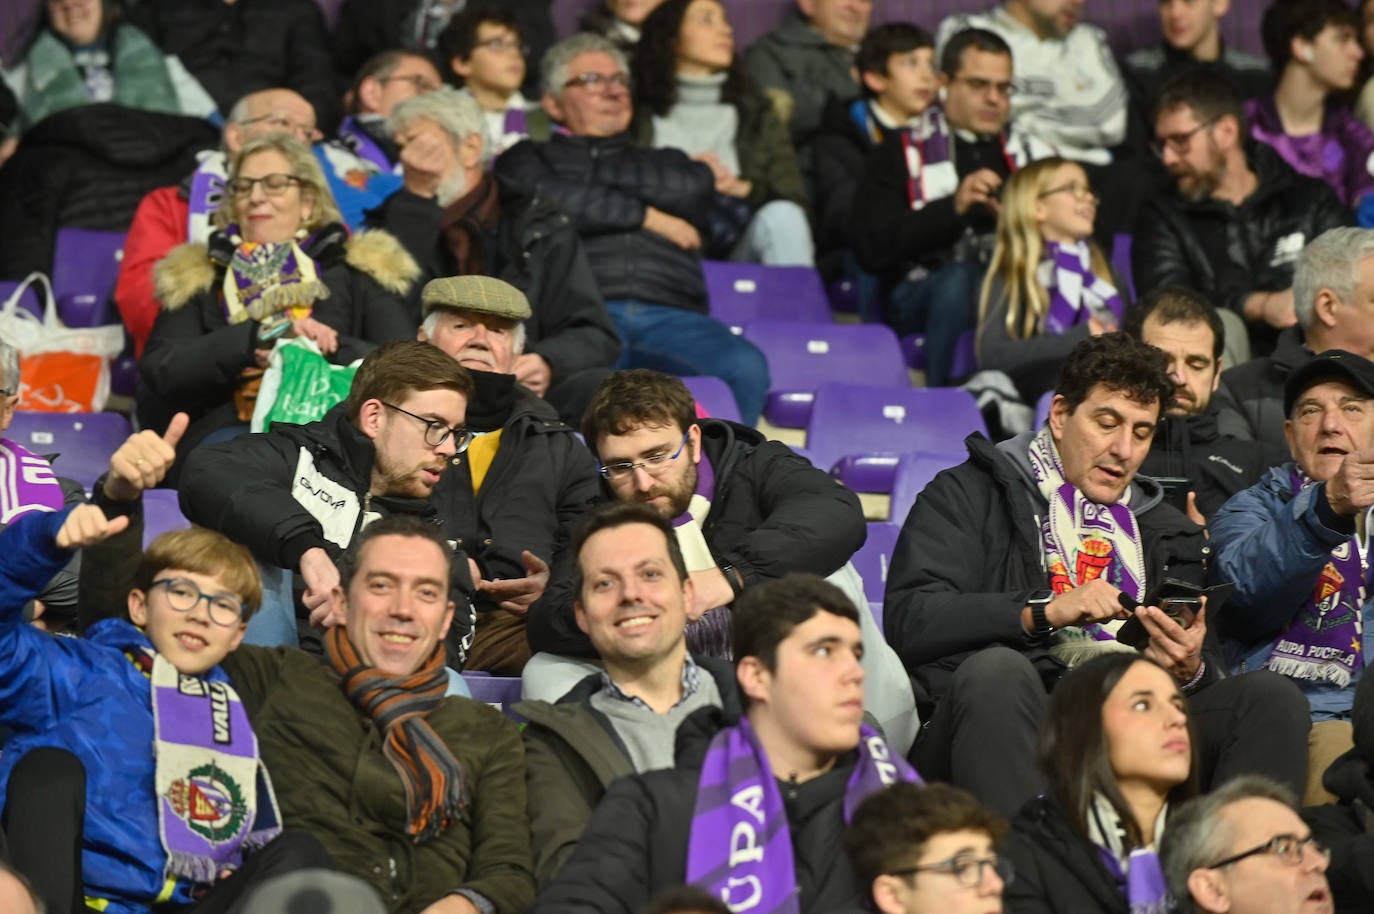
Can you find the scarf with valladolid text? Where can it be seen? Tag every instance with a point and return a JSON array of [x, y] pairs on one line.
[[436, 788], [1076, 292], [1084, 541], [27, 483], [1325, 640], [267, 279], [214, 798], [740, 846]]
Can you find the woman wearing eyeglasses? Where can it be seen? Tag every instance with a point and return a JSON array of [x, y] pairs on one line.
[[928, 850], [1117, 753], [1048, 285], [279, 264], [692, 93]]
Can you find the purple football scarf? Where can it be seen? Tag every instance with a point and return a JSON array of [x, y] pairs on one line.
[[214, 798], [1324, 642], [27, 483], [364, 146], [708, 636], [1141, 879], [930, 170], [1076, 292], [205, 195], [740, 847], [1084, 540], [265, 279]]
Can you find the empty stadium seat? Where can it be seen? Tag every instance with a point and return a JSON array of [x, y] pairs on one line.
[[161, 514], [28, 301], [82, 441], [874, 557], [713, 395], [743, 292], [801, 357], [859, 432], [84, 270], [914, 473], [501, 692]]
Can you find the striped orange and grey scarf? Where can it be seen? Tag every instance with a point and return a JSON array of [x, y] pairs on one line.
[[436, 790]]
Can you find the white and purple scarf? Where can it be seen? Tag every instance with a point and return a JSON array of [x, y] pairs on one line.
[[1324, 642], [740, 847], [1076, 292], [708, 636], [27, 483], [1085, 541], [353, 136], [1137, 871], [215, 801], [205, 195], [266, 279]]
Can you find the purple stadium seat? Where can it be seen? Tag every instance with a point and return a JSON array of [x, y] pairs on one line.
[[1121, 261], [914, 351], [873, 558], [844, 295], [85, 267], [161, 514], [29, 300], [914, 473], [860, 432], [801, 357], [1042, 408], [743, 292], [501, 692], [714, 396], [83, 441], [965, 361]]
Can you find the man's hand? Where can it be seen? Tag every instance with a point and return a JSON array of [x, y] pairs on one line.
[[427, 157], [980, 187], [710, 589], [321, 576], [679, 231], [86, 526], [1177, 649], [516, 595], [1095, 601], [452, 904], [1351, 490], [533, 371], [1195, 514], [325, 336], [143, 460], [1273, 308]]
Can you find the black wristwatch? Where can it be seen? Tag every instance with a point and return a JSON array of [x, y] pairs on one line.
[[1040, 622]]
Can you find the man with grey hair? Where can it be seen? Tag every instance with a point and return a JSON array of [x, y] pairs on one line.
[[457, 219], [1242, 849], [386, 80], [640, 213], [526, 478], [1333, 295]]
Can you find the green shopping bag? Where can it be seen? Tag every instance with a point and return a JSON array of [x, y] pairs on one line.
[[300, 384]]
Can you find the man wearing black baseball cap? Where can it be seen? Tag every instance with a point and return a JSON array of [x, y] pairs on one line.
[[1296, 544]]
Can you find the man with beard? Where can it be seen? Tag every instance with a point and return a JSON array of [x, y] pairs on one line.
[[1239, 215], [745, 509], [526, 478]]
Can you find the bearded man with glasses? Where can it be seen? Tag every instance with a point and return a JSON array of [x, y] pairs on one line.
[[1238, 215]]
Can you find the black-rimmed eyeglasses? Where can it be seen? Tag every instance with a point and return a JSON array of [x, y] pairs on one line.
[[654, 465], [436, 432], [183, 595], [1288, 848], [1178, 142], [967, 870], [273, 185], [599, 83]]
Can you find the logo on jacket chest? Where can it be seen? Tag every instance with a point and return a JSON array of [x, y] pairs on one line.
[[329, 502]]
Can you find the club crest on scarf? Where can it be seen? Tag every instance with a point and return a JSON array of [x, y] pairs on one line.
[[210, 802], [267, 279]]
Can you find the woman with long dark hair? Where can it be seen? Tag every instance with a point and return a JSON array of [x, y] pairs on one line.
[[1117, 753], [691, 93]]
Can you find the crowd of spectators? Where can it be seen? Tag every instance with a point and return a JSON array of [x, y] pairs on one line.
[[1118, 663]]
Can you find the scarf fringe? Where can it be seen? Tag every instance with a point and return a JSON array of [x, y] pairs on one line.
[[1313, 672], [286, 296], [193, 867]]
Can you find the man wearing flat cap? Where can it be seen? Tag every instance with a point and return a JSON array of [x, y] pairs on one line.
[[511, 500], [1296, 544]]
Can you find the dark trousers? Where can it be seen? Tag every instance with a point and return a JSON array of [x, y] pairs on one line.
[[45, 804], [982, 733]]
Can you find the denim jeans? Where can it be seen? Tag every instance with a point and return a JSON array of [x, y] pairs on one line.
[[778, 235], [686, 343], [943, 305], [274, 624]]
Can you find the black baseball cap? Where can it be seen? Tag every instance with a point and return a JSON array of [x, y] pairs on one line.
[[1331, 365]]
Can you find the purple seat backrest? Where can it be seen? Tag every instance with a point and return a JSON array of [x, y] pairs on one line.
[[28, 301], [501, 692], [85, 268], [715, 396], [161, 514], [803, 356], [1121, 260], [854, 419], [82, 441], [965, 360], [914, 473], [873, 558], [743, 292]]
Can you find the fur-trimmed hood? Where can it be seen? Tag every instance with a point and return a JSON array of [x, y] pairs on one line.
[[190, 269]]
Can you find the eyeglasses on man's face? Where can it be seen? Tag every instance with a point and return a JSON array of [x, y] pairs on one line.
[[182, 595], [306, 133], [599, 83], [968, 870], [654, 464], [1178, 143], [436, 432], [274, 185], [1288, 849], [420, 83]]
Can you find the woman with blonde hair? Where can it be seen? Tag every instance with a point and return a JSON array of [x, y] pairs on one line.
[[1048, 285]]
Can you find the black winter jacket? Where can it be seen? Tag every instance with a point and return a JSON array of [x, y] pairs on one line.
[[1227, 252], [1057, 870], [636, 842], [1218, 466], [970, 553], [1250, 398], [535, 249], [772, 513], [838, 153], [605, 185], [1347, 827], [299, 487]]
